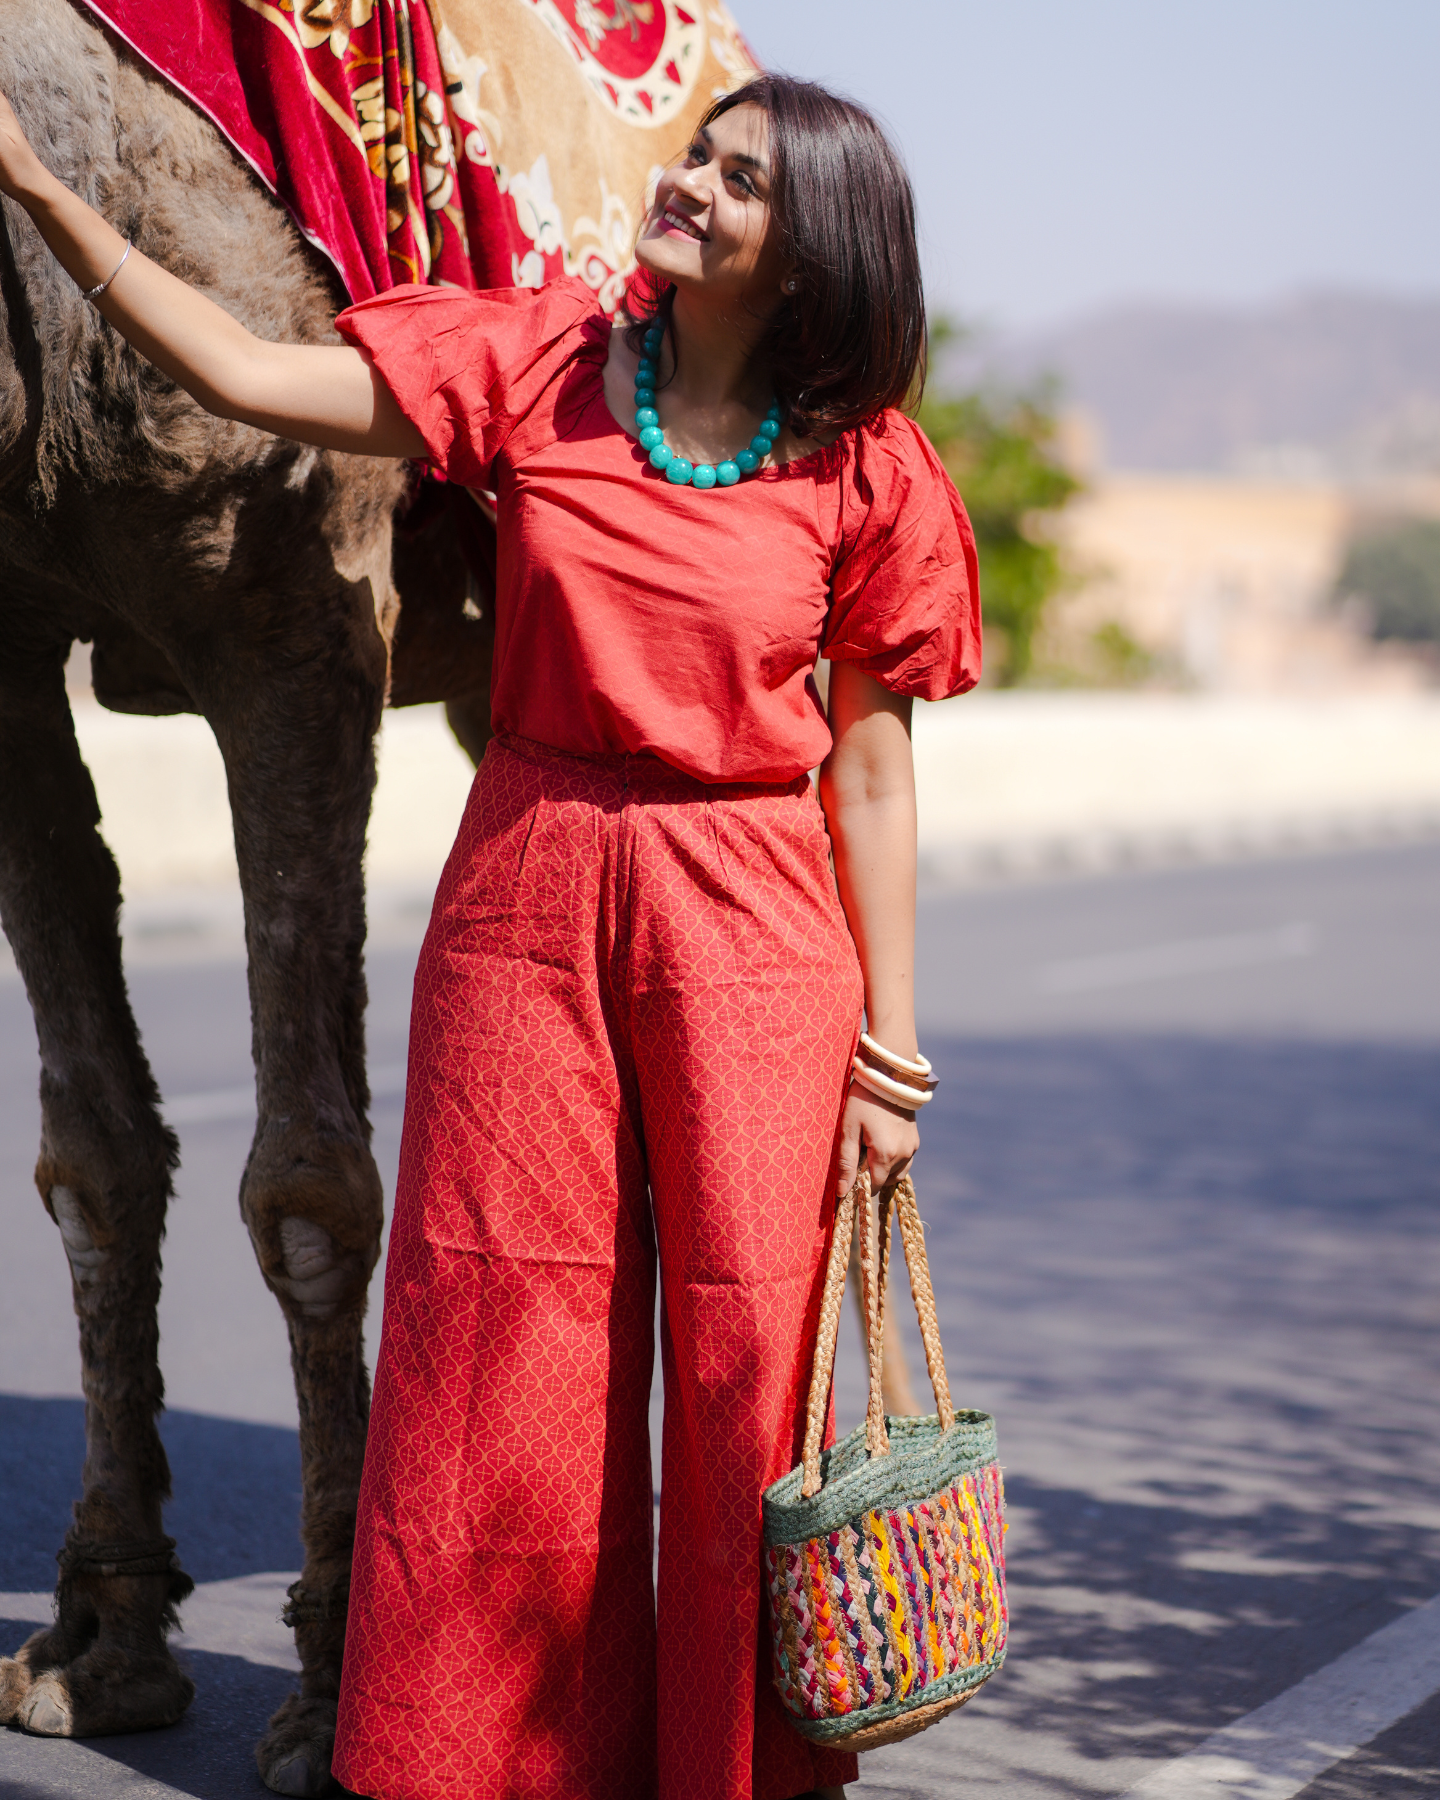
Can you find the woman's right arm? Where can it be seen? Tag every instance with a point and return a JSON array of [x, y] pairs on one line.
[[323, 394]]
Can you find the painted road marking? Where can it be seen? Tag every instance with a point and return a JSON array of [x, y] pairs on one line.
[[1278, 1750], [1162, 962]]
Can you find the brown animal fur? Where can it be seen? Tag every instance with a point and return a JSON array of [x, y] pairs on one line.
[[249, 579]]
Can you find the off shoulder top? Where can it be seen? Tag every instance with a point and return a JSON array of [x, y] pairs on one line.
[[635, 616]]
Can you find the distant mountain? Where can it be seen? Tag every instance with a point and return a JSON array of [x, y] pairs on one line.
[[1343, 384]]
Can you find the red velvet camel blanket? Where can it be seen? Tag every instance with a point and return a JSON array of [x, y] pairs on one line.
[[497, 146], [341, 108]]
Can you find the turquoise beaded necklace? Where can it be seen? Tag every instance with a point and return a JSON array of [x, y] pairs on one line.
[[652, 438]]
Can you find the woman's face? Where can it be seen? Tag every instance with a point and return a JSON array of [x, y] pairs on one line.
[[710, 229]]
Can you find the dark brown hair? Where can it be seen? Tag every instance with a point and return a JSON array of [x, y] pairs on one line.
[[852, 340]]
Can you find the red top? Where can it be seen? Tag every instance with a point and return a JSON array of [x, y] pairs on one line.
[[634, 615]]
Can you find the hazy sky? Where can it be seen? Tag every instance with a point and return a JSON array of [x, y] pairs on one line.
[[1067, 153]]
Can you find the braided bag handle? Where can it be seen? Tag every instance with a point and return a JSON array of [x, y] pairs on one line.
[[899, 1197]]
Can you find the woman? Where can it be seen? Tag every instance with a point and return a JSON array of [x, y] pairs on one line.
[[639, 999]]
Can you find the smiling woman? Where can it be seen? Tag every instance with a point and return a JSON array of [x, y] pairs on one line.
[[636, 1027], [783, 184]]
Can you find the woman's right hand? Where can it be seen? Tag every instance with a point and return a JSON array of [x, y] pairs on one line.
[[324, 394], [20, 167]]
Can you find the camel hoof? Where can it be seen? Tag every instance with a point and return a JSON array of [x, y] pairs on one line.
[[295, 1777], [97, 1694], [293, 1757], [46, 1710], [14, 1686]]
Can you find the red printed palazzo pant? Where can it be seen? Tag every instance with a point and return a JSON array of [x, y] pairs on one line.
[[633, 1019]]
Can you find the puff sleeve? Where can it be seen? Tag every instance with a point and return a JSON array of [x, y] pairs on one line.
[[466, 367], [905, 586]]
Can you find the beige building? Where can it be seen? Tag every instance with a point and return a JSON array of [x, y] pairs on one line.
[[1226, 582]]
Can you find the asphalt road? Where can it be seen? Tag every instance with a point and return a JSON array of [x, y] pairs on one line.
[[1181, 1189]]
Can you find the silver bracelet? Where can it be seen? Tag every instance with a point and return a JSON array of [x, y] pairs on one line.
[[95, 292]]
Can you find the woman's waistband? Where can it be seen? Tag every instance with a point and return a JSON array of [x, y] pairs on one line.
[[640, 770]]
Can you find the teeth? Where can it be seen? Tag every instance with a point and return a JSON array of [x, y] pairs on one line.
[[686, 225]]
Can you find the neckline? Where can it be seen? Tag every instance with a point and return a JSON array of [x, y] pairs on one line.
[[794, 464], [601, 325]]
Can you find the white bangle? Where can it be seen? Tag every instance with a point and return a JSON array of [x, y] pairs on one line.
[[920, 1066], [95, 292], [888, 1089]]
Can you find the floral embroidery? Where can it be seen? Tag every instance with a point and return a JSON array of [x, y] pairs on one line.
[[317, 20]]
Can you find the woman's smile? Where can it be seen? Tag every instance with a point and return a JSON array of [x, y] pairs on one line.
[[672, 219]]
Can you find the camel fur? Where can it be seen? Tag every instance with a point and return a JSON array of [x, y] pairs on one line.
[[217, 569]]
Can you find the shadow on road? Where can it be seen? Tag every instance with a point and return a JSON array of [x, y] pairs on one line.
[[237, 1491], [1194, 1280], [1277, 1124], [209, 1754], [1182, 1620], [235, 1513]]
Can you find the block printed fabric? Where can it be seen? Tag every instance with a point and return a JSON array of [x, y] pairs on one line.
[[631, 981]]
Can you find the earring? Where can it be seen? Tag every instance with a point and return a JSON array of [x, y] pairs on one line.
[[790, 286]]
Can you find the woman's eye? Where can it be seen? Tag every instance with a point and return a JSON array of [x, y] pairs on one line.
[[743, 182]]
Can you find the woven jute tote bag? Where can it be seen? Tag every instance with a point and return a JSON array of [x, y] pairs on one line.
[[884, 1556]]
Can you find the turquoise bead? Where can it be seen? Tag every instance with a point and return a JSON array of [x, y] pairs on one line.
[[653, 339], [645, 374], [677, 469]]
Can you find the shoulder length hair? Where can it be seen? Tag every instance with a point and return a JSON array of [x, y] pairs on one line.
[[852, 339]]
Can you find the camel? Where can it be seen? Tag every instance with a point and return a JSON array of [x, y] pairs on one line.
[[264, 585]]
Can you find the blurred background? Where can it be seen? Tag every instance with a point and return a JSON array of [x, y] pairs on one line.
[[1191, 255]]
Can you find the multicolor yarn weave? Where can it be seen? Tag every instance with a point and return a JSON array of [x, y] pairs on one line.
[[885, 1555], [894, 1606]]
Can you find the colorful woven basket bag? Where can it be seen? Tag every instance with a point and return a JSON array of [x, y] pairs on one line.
[[884, 1555]]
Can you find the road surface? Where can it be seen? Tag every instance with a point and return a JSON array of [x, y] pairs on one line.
[[1181, 1187]]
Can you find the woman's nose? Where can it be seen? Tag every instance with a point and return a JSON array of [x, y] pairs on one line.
[[688, 183]]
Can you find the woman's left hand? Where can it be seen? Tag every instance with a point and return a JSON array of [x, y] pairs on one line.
[[873, 1127]]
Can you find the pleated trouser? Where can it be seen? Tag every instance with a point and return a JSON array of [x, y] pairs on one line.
[[633, 1017]]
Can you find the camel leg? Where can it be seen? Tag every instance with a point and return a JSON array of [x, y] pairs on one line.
[[468, 716], [104, 1175], [310, 1195]]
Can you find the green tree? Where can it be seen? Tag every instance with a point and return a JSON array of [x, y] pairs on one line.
[[1001, 452], [1395, 570]]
